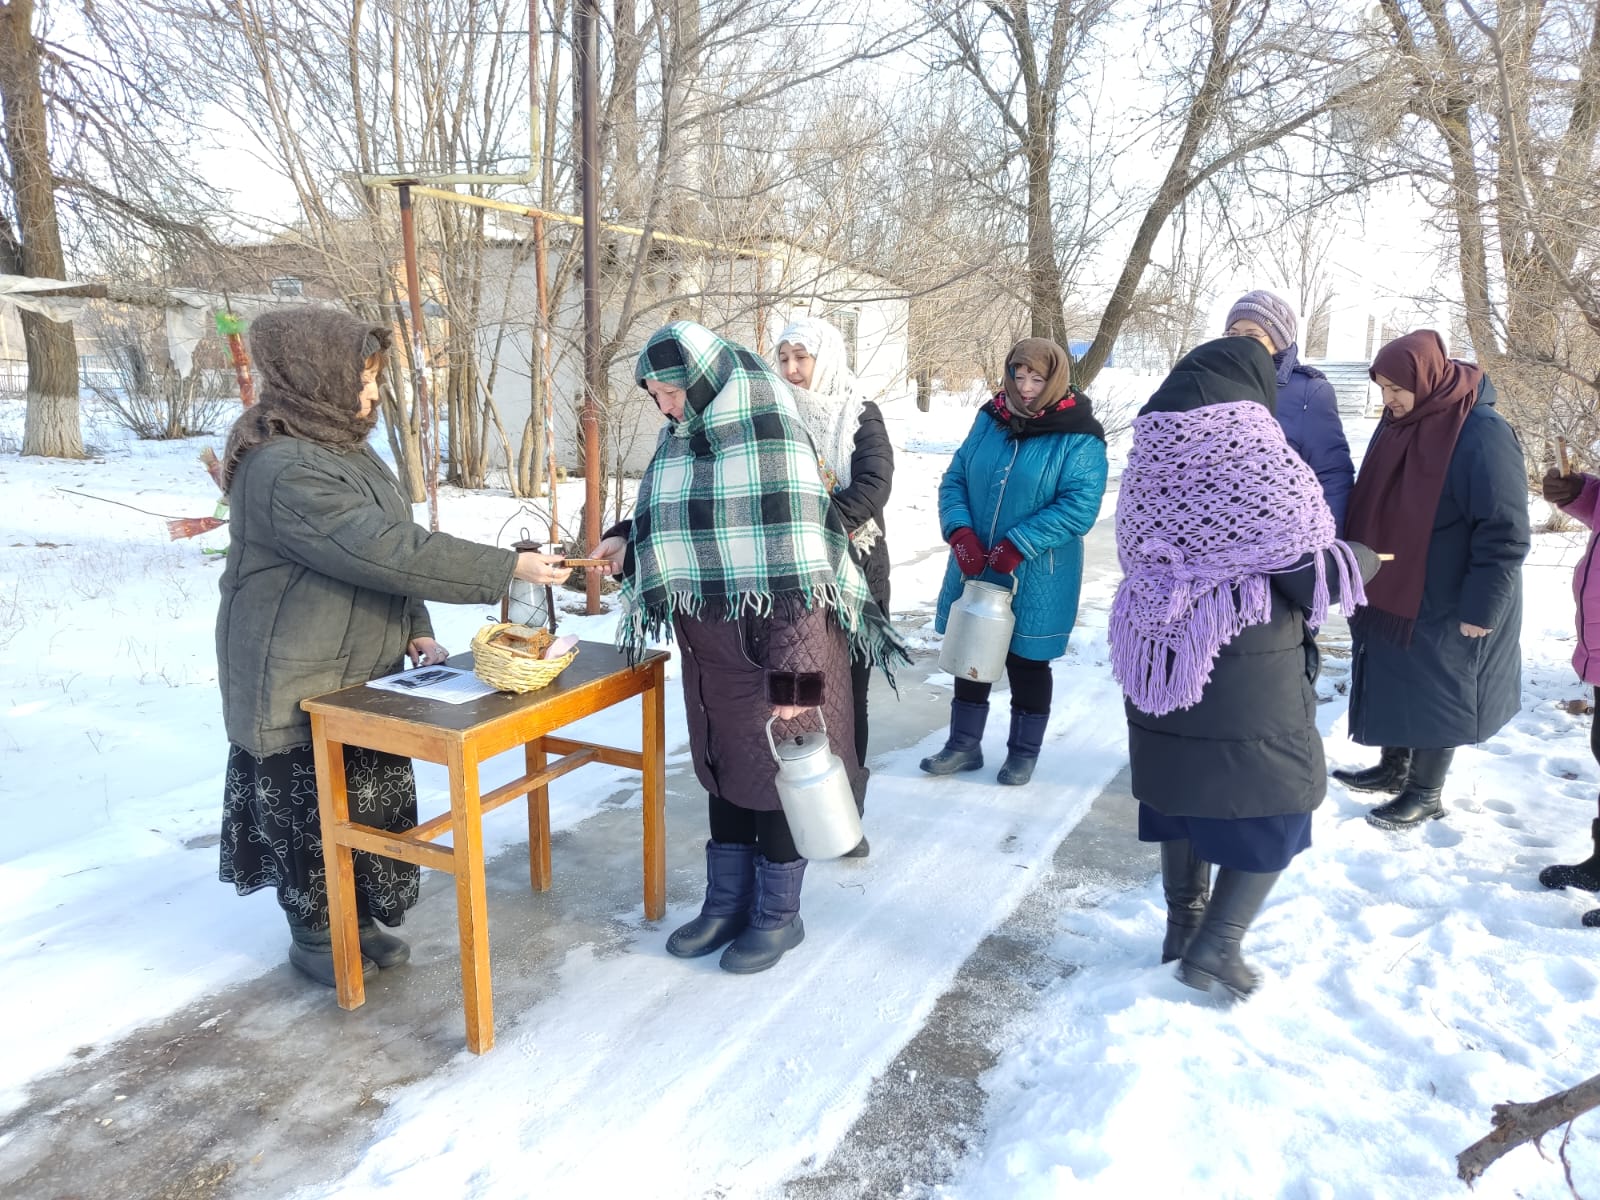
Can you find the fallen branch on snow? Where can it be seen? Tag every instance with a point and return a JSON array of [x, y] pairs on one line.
[[1516, 1124]]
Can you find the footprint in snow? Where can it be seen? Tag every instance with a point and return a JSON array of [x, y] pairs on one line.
[[1575, 981], [1442, 835], [1562, 768]]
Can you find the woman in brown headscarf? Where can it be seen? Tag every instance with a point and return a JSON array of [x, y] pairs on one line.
[[324, 588], [1018, 497], [1438, 660]]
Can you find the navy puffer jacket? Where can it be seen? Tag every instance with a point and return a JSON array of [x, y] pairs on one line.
[[1308, 410]]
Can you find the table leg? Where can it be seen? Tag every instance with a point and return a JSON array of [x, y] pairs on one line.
[[333, 810], [655, 796], [538, 819], [472, 907]]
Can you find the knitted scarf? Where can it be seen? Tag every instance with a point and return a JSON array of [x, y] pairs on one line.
[[732, 517], [830, 408], [1212, 501], [308, 361], [1396, 495]]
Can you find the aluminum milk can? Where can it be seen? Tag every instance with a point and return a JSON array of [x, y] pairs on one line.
[[977, 632], [815, 793]]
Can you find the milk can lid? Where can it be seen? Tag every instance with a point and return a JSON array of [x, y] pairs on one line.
[[801, 745]]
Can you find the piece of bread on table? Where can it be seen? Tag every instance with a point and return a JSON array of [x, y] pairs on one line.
[[520, 639]]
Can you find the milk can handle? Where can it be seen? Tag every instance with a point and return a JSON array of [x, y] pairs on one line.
[[1012, 577], [773, 747]]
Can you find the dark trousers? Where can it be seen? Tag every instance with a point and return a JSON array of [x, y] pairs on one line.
[[1030, 685], [768, 832], [860, 679], [1594, 727]]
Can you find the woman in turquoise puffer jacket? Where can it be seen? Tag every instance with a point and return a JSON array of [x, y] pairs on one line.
[[1016, 500]]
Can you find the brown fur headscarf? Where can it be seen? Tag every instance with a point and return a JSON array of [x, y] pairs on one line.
[[308, 362]]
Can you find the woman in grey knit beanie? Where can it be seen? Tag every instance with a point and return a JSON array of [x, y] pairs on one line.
[[1306, 406]]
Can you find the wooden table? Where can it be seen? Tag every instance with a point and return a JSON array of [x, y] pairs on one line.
[[461, 736]]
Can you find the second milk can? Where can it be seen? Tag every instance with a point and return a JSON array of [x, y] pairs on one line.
[[816, 794], [977, 632]]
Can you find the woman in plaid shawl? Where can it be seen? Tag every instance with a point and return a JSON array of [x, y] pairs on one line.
[[733, 543], [857, 464]]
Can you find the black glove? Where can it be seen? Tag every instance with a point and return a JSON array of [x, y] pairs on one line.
[[1560, 489]]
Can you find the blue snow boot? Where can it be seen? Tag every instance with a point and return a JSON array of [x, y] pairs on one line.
[[963, 749], [775, 926], [730, 885], [1022, 750]]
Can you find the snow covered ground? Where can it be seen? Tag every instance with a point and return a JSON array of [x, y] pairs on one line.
[[1413, 981]]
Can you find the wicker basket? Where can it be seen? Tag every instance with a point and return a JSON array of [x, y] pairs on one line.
[[511, 670]]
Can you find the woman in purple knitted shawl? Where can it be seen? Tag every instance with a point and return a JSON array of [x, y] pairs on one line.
[[1230, 561]]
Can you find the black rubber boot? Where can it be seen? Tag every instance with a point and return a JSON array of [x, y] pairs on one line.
[[1420, 801], [963, 749], [730, 888], [382, 947], [1388, 776], [1186, 880], [775, 926], [1584, 875], [1022, 748], [1212, 955], [311, 953]]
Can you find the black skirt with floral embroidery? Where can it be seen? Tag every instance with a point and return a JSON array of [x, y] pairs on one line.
[[271, 835]]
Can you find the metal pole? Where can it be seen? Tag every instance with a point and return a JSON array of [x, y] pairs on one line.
[[542, 349], [428, 432], [542, 346], [593, 381]]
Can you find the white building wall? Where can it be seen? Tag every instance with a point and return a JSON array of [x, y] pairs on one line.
[[725, 303]]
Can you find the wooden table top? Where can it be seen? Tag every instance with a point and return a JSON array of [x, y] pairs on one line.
[[595, 663]]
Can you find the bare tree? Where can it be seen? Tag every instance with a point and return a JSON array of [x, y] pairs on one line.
[[1229, 94], [333, 93], [30, 239], [1245, 80], [1500, 120], [94, 167], [1026, 80], [1297, 257]]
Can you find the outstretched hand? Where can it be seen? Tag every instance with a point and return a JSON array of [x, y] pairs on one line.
[[533, 567]]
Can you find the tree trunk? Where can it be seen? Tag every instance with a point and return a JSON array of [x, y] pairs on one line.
[[51, 427], [1048, 318]]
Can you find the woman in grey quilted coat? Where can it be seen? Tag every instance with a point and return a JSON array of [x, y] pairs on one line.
[[323, 589]]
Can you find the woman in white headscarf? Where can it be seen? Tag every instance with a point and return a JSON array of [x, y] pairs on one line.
[[856, 461]]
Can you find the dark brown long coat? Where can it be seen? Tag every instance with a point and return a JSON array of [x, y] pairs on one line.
[[729, 669]]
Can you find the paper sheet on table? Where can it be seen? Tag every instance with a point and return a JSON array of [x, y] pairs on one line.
[[450, 684]]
